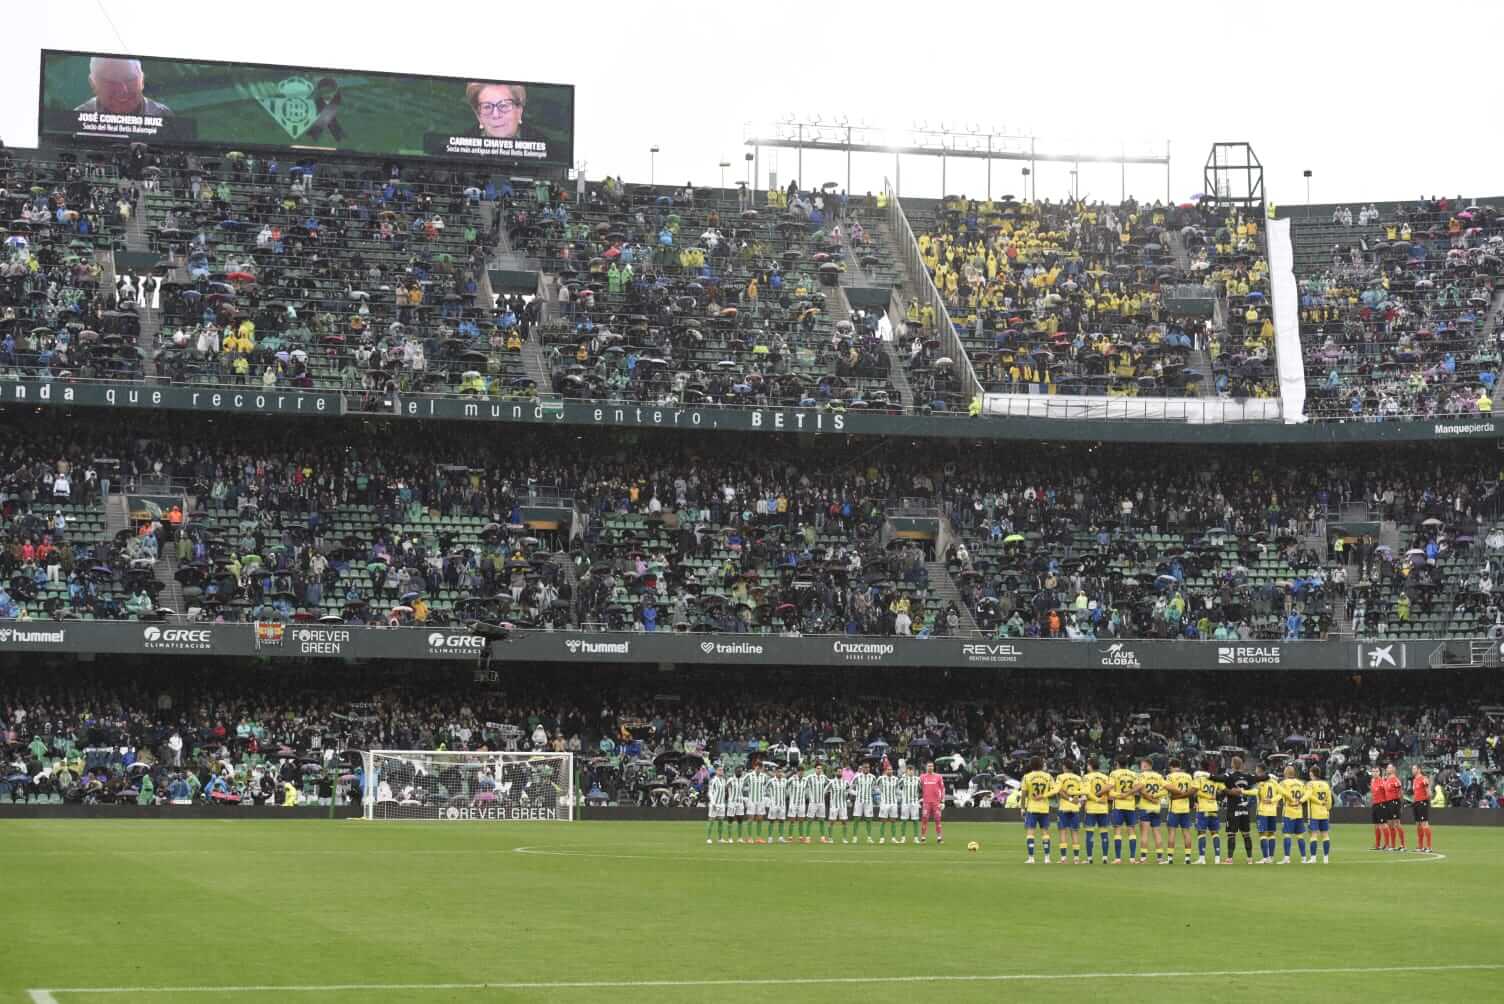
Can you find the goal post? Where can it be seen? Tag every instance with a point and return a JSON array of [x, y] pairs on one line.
[[476, 786]]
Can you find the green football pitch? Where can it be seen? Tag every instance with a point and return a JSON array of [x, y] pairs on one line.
[[246, 912]]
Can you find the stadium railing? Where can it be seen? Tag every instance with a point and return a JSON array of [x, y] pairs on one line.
[[950, 340]]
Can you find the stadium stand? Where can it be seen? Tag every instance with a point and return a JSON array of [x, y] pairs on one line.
[[1092, 299], [669, 297], [329, 273], [277, 525], [174, 735], [1398, 309]]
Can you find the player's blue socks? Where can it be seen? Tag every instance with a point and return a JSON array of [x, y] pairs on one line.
[[1302, 845], [1217, 847], [1287, 846], [1201, 845], [1104, 845], [1117, 848], [1030, 842], [1133, 848], [1047, 845], [1326, 848], [1091, 839]]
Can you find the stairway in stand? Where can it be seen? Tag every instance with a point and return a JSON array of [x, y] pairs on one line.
[[943, 588]]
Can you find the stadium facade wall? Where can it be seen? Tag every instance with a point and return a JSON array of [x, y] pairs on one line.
[[1070, 418]]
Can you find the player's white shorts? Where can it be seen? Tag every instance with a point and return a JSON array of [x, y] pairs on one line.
[[717, 811], [773, 810], [862, 809], [908, 810], [887, 810], [838, 812], [734, 809], [794, 812], [814, 811]]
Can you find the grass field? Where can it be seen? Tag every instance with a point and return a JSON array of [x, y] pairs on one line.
[[249, 912]]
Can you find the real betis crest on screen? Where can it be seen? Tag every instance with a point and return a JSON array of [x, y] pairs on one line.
[[290, 102]]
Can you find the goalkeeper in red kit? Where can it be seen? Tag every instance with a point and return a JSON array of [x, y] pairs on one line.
[[932, 799]]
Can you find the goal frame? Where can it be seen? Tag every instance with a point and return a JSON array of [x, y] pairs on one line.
[[461, 808]]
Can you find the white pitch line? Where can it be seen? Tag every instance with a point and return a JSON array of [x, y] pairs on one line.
[[804, 981]]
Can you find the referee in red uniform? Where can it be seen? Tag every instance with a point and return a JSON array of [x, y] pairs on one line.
[[1393, 793], [1420, 794]]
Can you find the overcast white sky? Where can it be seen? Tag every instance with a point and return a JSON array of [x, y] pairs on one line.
[[1378, 99]]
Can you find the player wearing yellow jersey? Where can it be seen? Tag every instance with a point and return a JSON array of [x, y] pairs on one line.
[[1180, 786], [1292, 793], [1208, 820], [1267, 796], [1071, 791], [1124, 811], [1098, 792], [1038, 788], [1319, 807], [1151, 792]]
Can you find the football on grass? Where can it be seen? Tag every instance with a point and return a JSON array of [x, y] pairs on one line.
[[973, 847]]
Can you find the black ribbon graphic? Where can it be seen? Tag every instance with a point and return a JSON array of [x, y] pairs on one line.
[[326, 98]]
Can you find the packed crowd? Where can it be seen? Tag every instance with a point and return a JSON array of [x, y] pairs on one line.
[[670, 297], [54, 317], [332, 273], [1396, 322], [1082, 298], [283, 521], [144, 734]]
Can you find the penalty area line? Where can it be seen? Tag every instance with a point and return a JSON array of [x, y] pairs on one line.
[[48, 996]]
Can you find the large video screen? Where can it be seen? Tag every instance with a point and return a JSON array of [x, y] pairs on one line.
[[240, 105]]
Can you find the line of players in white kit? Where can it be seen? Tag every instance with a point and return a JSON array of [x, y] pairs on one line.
[[795, 803]]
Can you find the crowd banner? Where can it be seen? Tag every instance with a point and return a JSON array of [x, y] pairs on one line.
[[1289, 355], [1071, 419], [358, 642]]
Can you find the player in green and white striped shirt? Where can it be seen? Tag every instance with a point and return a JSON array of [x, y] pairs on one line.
[[863, 787], [736, 785], [908, 803], [757, 786], [887, 805], [793, 802], [838, 790], [717, 794], [775, 790], [814, 800]]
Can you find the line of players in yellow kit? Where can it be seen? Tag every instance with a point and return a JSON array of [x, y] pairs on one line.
[[1135, 805]]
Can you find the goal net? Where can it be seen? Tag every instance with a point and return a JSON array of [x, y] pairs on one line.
[[475, 786]]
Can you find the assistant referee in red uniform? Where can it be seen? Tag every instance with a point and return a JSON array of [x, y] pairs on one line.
[[1420, 794]]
